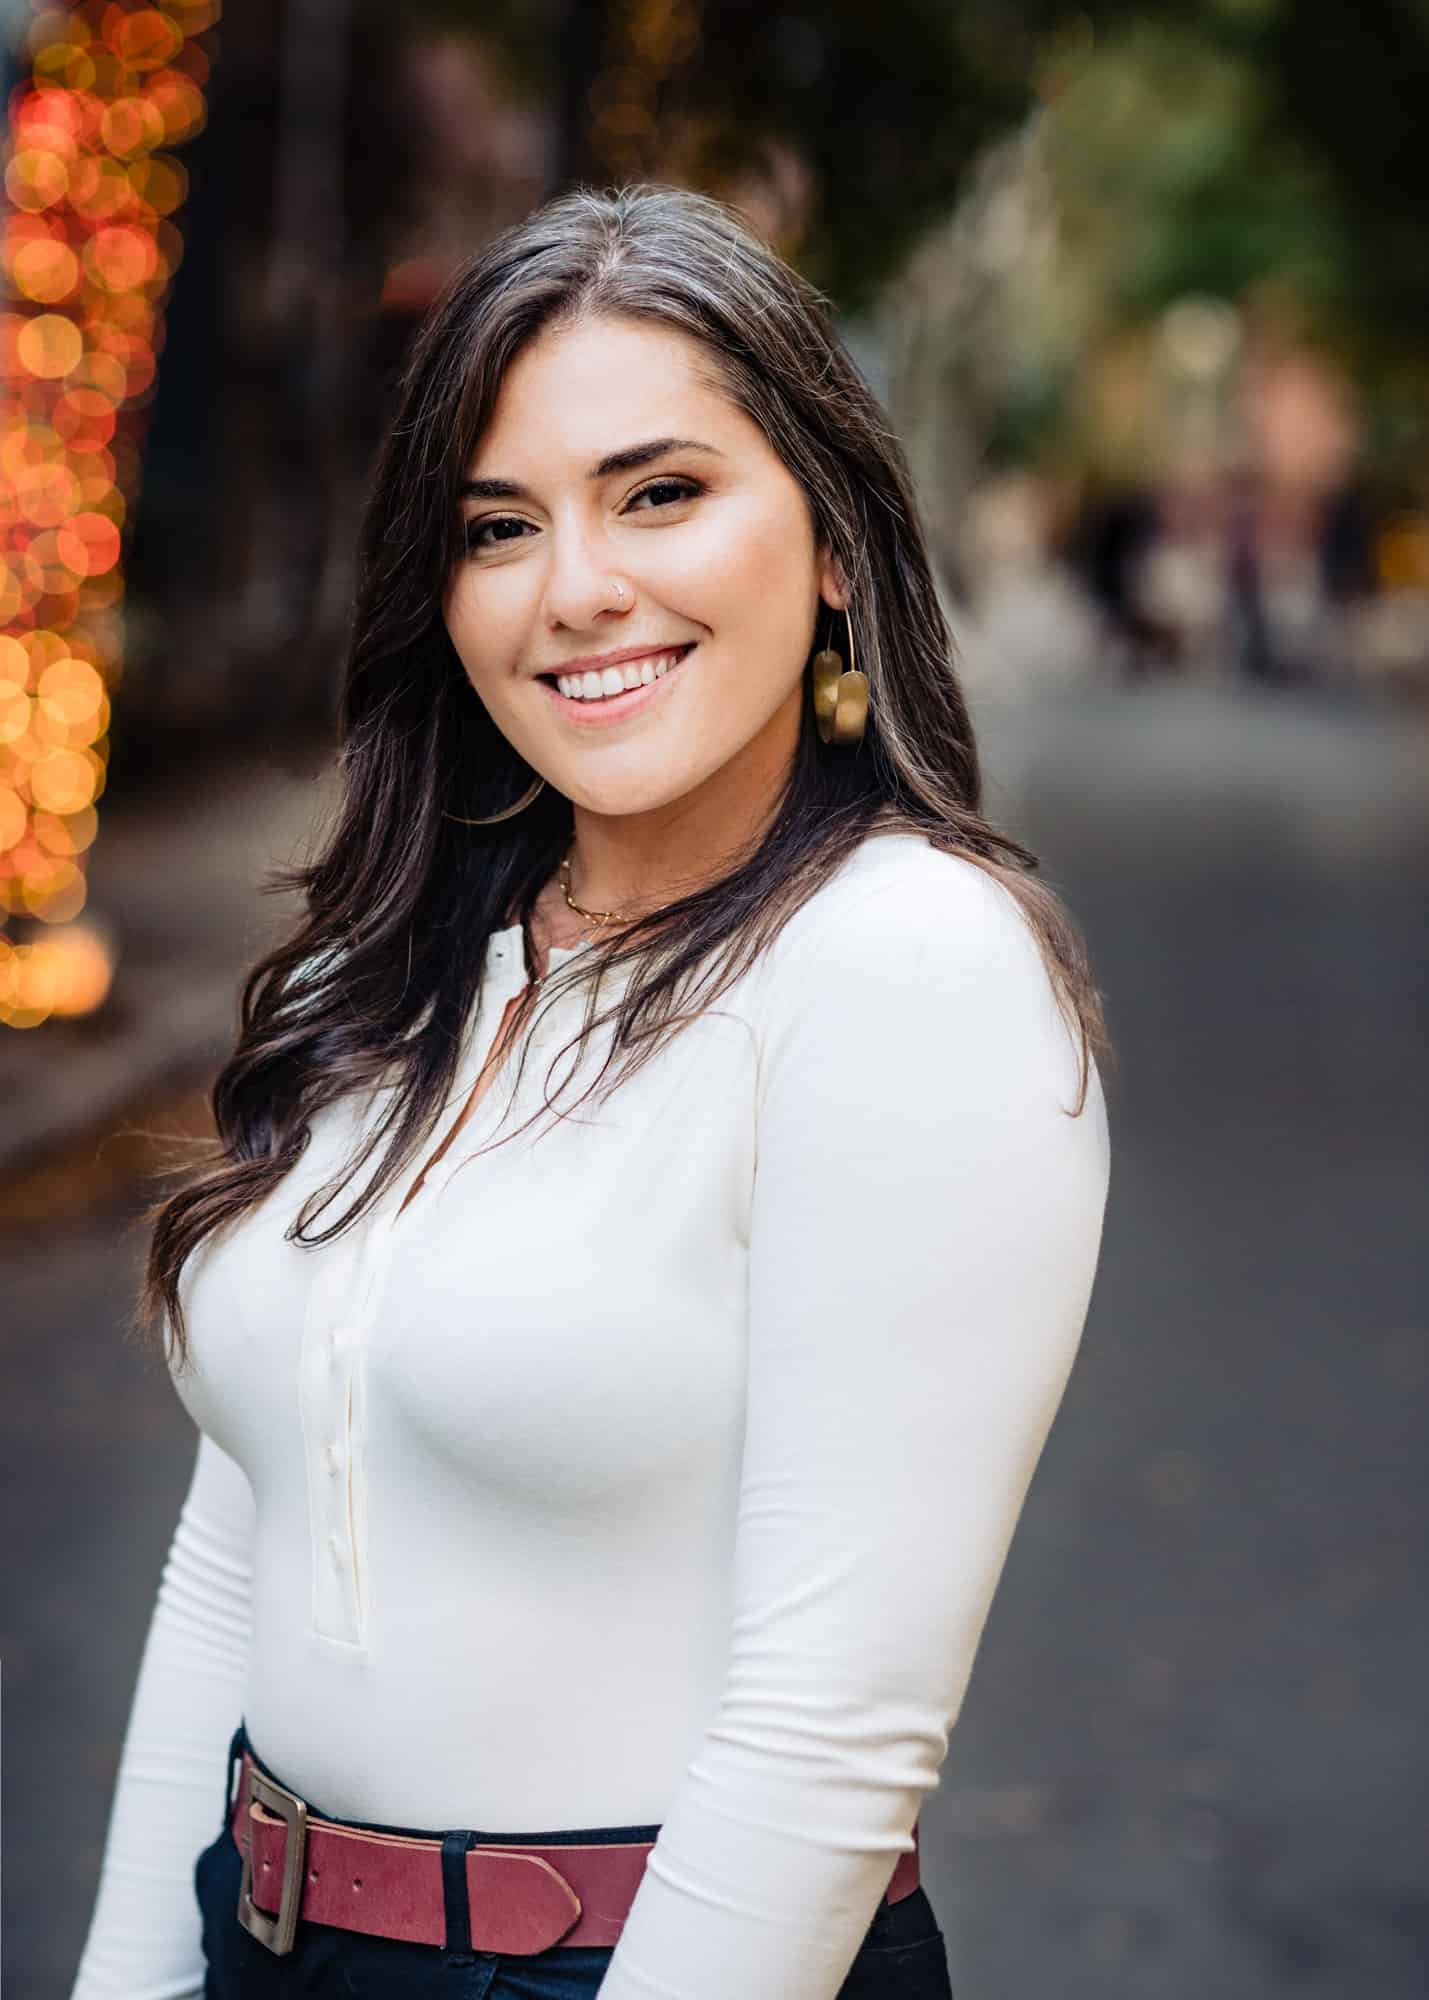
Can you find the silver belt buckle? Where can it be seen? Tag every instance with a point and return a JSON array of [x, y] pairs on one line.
[[277, 1933]]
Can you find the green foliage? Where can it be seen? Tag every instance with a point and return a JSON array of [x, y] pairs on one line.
[[1287, 141], [1170, 177], [1198, 148]]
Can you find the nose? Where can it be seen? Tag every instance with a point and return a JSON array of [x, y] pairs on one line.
[[582, 584]]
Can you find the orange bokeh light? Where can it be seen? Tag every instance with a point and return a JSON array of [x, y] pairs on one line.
[[88, 544], [47, 494], [99, 188], [44, 271], [14, 815], [62, 781], [143, 40], [88, 249], [160, 182], [36, 177], [121, 258], [132, 125], [50, 117], [100, 371], [178, 102], [49, 345], [15, 710], [84, 418], [68, 971]]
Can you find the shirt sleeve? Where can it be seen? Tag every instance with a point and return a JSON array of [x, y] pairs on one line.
[[145, 1933], [925, 1229]]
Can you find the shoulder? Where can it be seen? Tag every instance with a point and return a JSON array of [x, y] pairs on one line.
[[930, 967], [898, 902]]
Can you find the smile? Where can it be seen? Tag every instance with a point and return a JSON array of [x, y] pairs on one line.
[[614, 691]]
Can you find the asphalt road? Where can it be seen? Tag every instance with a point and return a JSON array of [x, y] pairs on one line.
[[1193, 1759]]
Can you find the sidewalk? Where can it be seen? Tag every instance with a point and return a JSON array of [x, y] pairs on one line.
[[177, 877]]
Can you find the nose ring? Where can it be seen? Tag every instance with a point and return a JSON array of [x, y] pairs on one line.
[[620, 592]]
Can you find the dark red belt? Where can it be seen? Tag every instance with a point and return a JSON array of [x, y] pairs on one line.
[[523, 1899]]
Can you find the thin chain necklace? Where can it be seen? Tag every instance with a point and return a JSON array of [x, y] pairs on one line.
[[600, 918]]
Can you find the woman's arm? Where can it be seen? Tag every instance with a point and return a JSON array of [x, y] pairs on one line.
[[926, 1225], [144, 1936]]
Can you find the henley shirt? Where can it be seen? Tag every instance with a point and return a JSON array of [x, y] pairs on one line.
[[656, 1468]]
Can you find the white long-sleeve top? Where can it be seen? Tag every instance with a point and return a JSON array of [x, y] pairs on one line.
[[656, 1468]]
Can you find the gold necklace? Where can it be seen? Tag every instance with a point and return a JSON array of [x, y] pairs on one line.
[[598, 917]]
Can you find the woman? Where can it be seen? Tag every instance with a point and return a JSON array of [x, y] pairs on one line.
[[660, 1193]]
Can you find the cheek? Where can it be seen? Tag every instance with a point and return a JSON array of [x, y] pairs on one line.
[[738, 553], [475, 628]]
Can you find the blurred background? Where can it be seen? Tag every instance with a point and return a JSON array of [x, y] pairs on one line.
[[1145, 291]]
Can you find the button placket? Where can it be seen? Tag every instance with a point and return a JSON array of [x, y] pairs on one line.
[[329, 1361], [343, 1309], [334, 1379]]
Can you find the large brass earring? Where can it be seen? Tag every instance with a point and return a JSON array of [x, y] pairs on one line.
[[840, 695], [507, 812]]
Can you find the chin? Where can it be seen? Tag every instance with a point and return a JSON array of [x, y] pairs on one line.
[[623, 798]]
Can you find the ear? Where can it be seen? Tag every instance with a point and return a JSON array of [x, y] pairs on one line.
[[833, 585]]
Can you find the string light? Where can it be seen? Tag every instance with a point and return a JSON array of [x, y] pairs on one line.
[[88, 250]]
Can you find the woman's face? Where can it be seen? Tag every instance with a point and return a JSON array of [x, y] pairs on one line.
[[610, 459]]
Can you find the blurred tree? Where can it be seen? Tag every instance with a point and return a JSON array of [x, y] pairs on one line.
[[884, 106], [1346, 88], [1298, 127], [1247, 151], [1170, 167], [1240, 138]]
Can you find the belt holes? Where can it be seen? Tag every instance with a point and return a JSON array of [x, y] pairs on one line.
[[312, 1874], [357, 1881]]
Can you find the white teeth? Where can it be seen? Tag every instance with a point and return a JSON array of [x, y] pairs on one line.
[[596, 686]]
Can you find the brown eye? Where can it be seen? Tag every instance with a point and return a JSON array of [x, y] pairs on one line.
[[475, 530], [675, 489]]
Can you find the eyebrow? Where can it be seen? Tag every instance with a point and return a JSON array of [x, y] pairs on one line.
[[629, 460]]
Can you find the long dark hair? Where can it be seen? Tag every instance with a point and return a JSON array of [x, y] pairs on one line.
[[377, 984]]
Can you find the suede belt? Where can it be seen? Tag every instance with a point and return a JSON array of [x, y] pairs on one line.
[[521, 1899]]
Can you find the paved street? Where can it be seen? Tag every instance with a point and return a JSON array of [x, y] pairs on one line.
[[1193, 1760]]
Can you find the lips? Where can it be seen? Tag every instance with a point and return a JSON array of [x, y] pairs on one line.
[[606, 709]]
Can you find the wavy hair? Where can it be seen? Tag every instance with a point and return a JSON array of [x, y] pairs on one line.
[[376, 985]]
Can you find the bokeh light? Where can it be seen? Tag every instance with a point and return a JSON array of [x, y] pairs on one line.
[[88, 249]]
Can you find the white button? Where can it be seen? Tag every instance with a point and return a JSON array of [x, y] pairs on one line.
[[334, 1549], [333, 1457]]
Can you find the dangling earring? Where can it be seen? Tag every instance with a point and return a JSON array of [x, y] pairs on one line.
[[508, 812], [840, 698]]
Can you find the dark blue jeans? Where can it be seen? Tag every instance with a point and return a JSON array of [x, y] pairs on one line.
[[902, 1956]]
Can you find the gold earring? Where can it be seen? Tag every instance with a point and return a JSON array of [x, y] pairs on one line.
[[840, 697], [508, 812]]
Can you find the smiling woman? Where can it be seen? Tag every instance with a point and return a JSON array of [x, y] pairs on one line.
[[716, 544], [627, 1463]]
